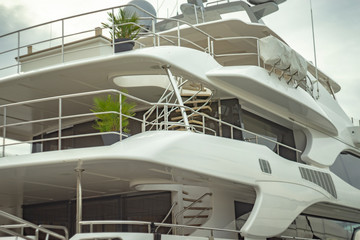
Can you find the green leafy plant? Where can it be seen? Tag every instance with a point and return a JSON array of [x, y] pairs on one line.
[[111, 122], [124, 24]]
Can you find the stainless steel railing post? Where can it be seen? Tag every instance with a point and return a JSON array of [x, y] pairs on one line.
[[209, 45], [18, 53], [220, 118], [143, 124], [203, 121], [62, 41], [120, 112], [258, 51], [166, 120], [60, 124], [157, 118], [202, 14], [212, 49], [196, 16], [178, 33], [154, 31], [4, 133]]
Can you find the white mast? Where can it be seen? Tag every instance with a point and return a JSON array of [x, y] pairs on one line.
[[313, 35]]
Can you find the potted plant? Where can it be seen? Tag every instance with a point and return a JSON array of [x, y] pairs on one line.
[[110, 122], [125, 30]]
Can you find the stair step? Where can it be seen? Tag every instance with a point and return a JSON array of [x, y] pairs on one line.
[[180, 117], [185, 192], [191, 200], [175, 126], [176, 118], [196, 122], [196, 101], [196, 108], [197, 216], [190, 94], [199, 208]]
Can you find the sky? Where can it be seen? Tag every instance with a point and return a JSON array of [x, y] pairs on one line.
[[336, 24]]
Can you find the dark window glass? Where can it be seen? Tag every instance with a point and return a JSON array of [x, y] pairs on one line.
[[145, 207], [242, 212], [271, 131], [347, 167], [230, 113]]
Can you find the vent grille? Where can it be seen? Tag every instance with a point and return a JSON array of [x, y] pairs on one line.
[[265, 166], [321, 179]]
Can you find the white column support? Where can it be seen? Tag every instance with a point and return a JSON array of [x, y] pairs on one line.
[[178, 96], [78, 200]]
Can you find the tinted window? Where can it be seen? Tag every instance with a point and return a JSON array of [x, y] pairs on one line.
[[271, 131], [347, 168], [145, 207]]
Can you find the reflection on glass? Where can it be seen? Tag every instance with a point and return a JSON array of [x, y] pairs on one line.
[[270, 130], [347, 168]]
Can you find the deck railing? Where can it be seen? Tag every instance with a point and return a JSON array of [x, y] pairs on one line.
[[61, 121], [18, 226], [16, 59], [153, 227], [12, 55]]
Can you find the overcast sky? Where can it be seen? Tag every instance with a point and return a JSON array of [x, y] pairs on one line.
[[336, 22]]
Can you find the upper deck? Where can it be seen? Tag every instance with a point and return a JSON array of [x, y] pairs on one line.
[[82, 60], [81, 38]]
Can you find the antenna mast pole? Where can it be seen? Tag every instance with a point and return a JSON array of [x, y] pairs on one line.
[[313, 35]]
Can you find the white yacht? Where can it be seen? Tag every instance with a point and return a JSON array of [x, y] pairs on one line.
[[232, 134]]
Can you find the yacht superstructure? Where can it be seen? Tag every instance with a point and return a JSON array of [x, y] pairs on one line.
[[234, 134]]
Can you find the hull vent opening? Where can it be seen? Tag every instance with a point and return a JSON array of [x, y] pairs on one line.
[[321, 179], [265, 166]]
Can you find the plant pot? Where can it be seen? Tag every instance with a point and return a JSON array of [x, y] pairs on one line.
[[110, 139], [123, 44]]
